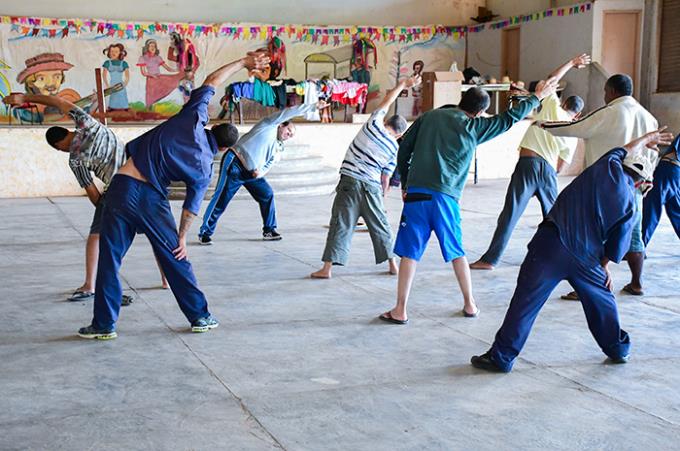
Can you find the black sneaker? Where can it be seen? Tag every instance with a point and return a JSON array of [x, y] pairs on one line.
[[620, 360], [204, 324], [97, 334], [485, 362], [126, 300], [272, 235], [205, 240]]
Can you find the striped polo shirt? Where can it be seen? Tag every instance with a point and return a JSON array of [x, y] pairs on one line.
[[95, 148], [373, 151]]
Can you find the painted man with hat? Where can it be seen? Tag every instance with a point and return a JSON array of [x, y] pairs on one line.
[[44, 75]]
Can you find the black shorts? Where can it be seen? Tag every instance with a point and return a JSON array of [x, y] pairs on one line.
[[96, 226]]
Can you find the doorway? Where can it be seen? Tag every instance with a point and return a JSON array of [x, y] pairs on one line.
[[510, 53], [621, 43]]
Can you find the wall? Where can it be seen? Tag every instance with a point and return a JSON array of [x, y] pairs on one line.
[[30, 168], [544, 45], [665, 106], [314, 12]]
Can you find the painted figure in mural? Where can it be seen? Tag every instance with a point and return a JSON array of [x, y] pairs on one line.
[[417, 91], [116, 70], [186, 84], [183, 52], [44, 75], [158, 85]]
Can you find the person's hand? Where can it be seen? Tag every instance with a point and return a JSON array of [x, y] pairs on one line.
[[413, 80], [581, 61], [14, 99], [608, 281], [321, 104], [181, 251], [544, 88], [658, 137], [257, 60], [255, 174], [403, 194]]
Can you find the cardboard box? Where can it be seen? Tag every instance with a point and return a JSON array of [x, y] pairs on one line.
[[441, 88]]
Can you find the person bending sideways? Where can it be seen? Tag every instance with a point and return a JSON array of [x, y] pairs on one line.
[[589, 226], [620, 121], [664, 194], [246, 164], [364, 180], [541, 157], [92, 148], [180, 149], [433, 161]]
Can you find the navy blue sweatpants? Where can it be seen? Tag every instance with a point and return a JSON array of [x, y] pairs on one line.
[[133, 205], [665, 194], [547, 263], [232, 177]]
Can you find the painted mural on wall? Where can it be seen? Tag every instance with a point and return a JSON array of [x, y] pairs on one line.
[[149, 75]]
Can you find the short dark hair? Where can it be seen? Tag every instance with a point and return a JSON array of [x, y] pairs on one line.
[[285, 124], [621, 84], [55, 134], [574, 104], [474, 100], [397, 123], [226, 135]]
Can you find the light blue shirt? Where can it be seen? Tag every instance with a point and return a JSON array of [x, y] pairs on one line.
[[260, 147]]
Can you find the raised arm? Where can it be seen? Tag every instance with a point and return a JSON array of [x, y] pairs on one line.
[[578, 62], [19, 99], [253, 60], [392, 94]]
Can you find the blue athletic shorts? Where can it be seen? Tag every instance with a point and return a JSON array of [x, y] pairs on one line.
[[426, 211]]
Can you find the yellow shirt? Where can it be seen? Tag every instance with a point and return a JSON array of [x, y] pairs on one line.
[[542, 142]]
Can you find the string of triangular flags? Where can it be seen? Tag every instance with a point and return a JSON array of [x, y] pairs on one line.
[[40, 27]]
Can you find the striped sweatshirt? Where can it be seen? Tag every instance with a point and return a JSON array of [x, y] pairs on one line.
[[372, 153]]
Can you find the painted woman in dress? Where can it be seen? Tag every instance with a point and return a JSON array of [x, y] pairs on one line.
[[116, 70], [158, 85]]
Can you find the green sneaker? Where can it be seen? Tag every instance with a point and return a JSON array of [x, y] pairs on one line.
[[97, 334], [204, 324]]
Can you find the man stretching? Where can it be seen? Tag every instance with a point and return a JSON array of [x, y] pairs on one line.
[[364, 180], [433, 160], [620, 121], [664, 194], [180, 149], [589, 226], [92, 148], [541, 158], [246, 165]]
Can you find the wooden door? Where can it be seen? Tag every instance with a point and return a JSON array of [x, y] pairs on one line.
[[621, 43], [510, 54]]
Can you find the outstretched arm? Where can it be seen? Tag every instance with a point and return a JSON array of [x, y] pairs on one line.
[[578, 62], [253, 60], [19, 99], [392, 95]]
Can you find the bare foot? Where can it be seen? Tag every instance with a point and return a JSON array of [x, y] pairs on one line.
[[321, 274], [394, 268], [479, 264]]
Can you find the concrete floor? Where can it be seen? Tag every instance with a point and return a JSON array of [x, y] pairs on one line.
[[301, 364]]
